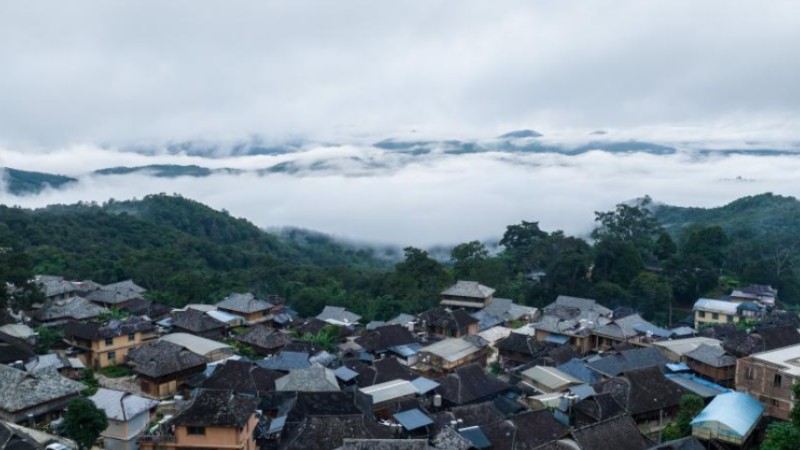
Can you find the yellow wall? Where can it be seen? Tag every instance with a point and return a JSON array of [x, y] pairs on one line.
[[707, 317], [120, 345]]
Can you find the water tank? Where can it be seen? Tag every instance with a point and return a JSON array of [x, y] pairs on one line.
[[437, 401]]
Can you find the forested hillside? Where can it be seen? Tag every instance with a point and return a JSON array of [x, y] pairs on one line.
[[658, 260]]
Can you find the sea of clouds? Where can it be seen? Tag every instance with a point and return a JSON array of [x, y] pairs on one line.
[[369, 195]]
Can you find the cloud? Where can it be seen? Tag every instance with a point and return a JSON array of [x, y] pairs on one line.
[[439, 199], [99, 72]]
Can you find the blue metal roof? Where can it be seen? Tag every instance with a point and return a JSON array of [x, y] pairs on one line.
[[579, 370], [277, 424], [424, 385], [406, 350], [476, 436], [557, 339], [678, 367], [697, 385], [412, 419], [738, 412], [344, 373]]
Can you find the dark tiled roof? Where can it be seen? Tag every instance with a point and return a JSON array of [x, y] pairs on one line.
[[77, 308], [763, 338], [14, 349], [196, 321], [142, 307], [93, 331], [468, 384], [598, 407], [329, 432], [687, 443], [447, 318], [644, 390], [626, 360], [579, 370], [20, 390], [381, 371], [244, 303], [161, 358], [11, 439], [384, 337], [116, 293], [611, 434], [242, 377], [286, 361], [385, 444], [312, 326], [712, 356], [264, 337], [525, 431], [217, 408], [524, 344]]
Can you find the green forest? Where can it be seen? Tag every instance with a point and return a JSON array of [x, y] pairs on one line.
[[656, 259]]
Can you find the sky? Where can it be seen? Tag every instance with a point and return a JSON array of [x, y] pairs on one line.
[[82, 82]]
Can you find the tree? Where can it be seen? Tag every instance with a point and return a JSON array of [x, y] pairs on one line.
[[628, 223], [785, 435], [665, 246], [616, 261], [83, 422], [467, 259], [691, 405], [653, 297], [707, 242]]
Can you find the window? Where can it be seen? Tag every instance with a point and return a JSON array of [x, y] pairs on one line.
[[196, 431], [112, 356], [776, 402], [715, 316], [701, 314], [776, 380], [750, 375], [109, 341], [131, 337]]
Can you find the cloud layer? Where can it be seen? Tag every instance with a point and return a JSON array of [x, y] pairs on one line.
[[437, 199], [122, 72]]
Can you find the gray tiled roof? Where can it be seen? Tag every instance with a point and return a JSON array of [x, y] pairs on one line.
[[21, 390], [471, 289], [244, 303], [77, 308], [121, 406], [160, 358], [313, 379], [338, 314], [711, 355], [116, 292]]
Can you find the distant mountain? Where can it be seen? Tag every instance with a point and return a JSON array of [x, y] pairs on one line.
[[21, 182], [521, 134], [167, 171]]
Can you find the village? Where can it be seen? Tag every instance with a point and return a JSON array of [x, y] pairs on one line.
[[476, 372]]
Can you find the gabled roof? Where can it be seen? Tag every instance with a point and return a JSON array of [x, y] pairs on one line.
[[390, 390], [77, 308], [687, 443], [144, 307], [244, 303], [312, 379], [715, 306], [14, 349], [550, 377], [456, 319], [626, 360], [197, 344], [642, 391], [11, 438], [738, 412], [264, 337], [712, 356], [337, 315], [50, 360], [382, 370], [599, 407], [161, 358], [242, 377], [452, 349], [468, 384], [625, 327], [218, 409], [21, 390], [121, 406], [470, 289], [196, 321], [116, 292], [523, 344], [93, 331], [329, 432], [579, 370], [286, 361], [382, 338], [610, 434]]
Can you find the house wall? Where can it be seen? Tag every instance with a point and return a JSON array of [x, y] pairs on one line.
[[724, 376], [219, 437], [758, 379], [46, 409], [711, 318], [120, 345], [718, 432]]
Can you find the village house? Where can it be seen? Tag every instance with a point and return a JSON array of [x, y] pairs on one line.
[[548, 380], [127, 415], [731, 418], [208, 348], [469, 384], [213, 419], [768, 377], [708, 312], [631, 329], [336, 315], [55, 288], [450, 354], [447, 323], [102, 345], [163, 367], [34, 396], [518, 349], [571, 320], [713, 363], [252, 309], [674, 350], [198, 323], [59, 312], [467, 294], [264, 340], [116, 295], [762, 294], [241, 377]]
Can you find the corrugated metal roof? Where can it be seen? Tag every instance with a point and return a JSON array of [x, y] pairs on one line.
[[738, 412], [719, 306], [550, 377], [699, 386], [412, 419], [112, 402], [476, 436], [451, 349], [345, 374], [389, 390], [424, 385]]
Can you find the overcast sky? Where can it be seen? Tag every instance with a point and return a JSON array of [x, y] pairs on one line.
[[116, 72]]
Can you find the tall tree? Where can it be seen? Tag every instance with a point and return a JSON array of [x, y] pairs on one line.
[[83, 422], [628, 223]]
